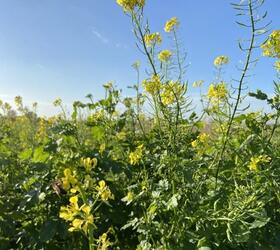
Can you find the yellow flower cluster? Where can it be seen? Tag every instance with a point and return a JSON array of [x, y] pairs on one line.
[[128, 198], [152, 39], [103, 242], [97, 116], [217, 92], [255, 162], [277, 65], [203, 137], [69, 180], [171, 91], [41, 130], [80, 217], [271, 47], [130, 5], [52, 120], [164, 55], [135, 156], [89, 163], [18, 101], [153, 85], [171, 24], [221, 60], [103, 191]]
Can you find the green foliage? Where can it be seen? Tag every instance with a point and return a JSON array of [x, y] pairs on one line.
[[114, 176]]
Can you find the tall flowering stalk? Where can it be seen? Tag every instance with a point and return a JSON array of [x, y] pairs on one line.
[[251, 8]]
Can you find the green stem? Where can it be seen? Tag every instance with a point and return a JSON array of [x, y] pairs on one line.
[[274, 127], [91, 239], [178, 56], [90, 229], [241, 81]]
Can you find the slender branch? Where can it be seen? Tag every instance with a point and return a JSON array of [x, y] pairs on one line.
[[241, 82]]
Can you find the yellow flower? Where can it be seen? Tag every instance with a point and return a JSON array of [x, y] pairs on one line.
[[80, 217], [172, 91], [221, 60], [69, 179], [277, 65], [42, 129], [104, 191], [171, 24], [255, 162], [76, 225], [74, 190], [253, 165], [18, 101], [89, 163], [102, 148], [201, 138], [152, 39], [217, 92], [128, 198], [153, 85], [135, 156], [74, 201], [103, 242], [164, 55], [87, 217], [194, 143], [85, 208], [68, 213], [271, 47], [130, 5]]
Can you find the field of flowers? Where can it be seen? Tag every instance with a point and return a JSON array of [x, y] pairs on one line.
[[112, 176]]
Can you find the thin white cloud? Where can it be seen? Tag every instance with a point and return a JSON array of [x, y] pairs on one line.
[[121, 46], [40, 66], [105, 40], [97, 34]]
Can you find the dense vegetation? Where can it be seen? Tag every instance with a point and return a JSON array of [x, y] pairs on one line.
[[148, 172]]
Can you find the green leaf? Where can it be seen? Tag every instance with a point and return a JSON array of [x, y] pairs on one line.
[[40, 155], [259, 223], [173, 202], [98, 132], [48, 230], [26, 154]]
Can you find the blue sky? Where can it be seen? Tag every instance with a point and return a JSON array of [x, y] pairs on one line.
[[69, 48]]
